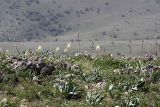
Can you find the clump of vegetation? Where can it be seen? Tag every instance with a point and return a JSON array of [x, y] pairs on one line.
[[41, 78]]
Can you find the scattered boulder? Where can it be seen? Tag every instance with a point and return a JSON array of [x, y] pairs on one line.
[[48, 70]]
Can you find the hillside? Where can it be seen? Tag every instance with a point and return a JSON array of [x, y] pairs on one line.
[[47, 20]]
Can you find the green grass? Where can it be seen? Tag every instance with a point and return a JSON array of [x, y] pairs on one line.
[[81, 81]]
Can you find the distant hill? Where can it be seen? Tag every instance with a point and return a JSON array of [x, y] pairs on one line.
[[47, 20]]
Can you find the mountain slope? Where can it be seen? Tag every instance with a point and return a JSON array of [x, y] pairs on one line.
[[28, 20]]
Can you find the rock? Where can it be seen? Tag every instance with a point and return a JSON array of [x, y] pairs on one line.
[[33, 67], [48, 70], [39, 67], [18, 64]]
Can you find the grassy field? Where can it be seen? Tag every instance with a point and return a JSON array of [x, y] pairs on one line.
[[133, 48], [41, 79]]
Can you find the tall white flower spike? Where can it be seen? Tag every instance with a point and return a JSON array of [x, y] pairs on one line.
[[68, 45], [26, 53], [39, 47], [57, 49], [98, 48]]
